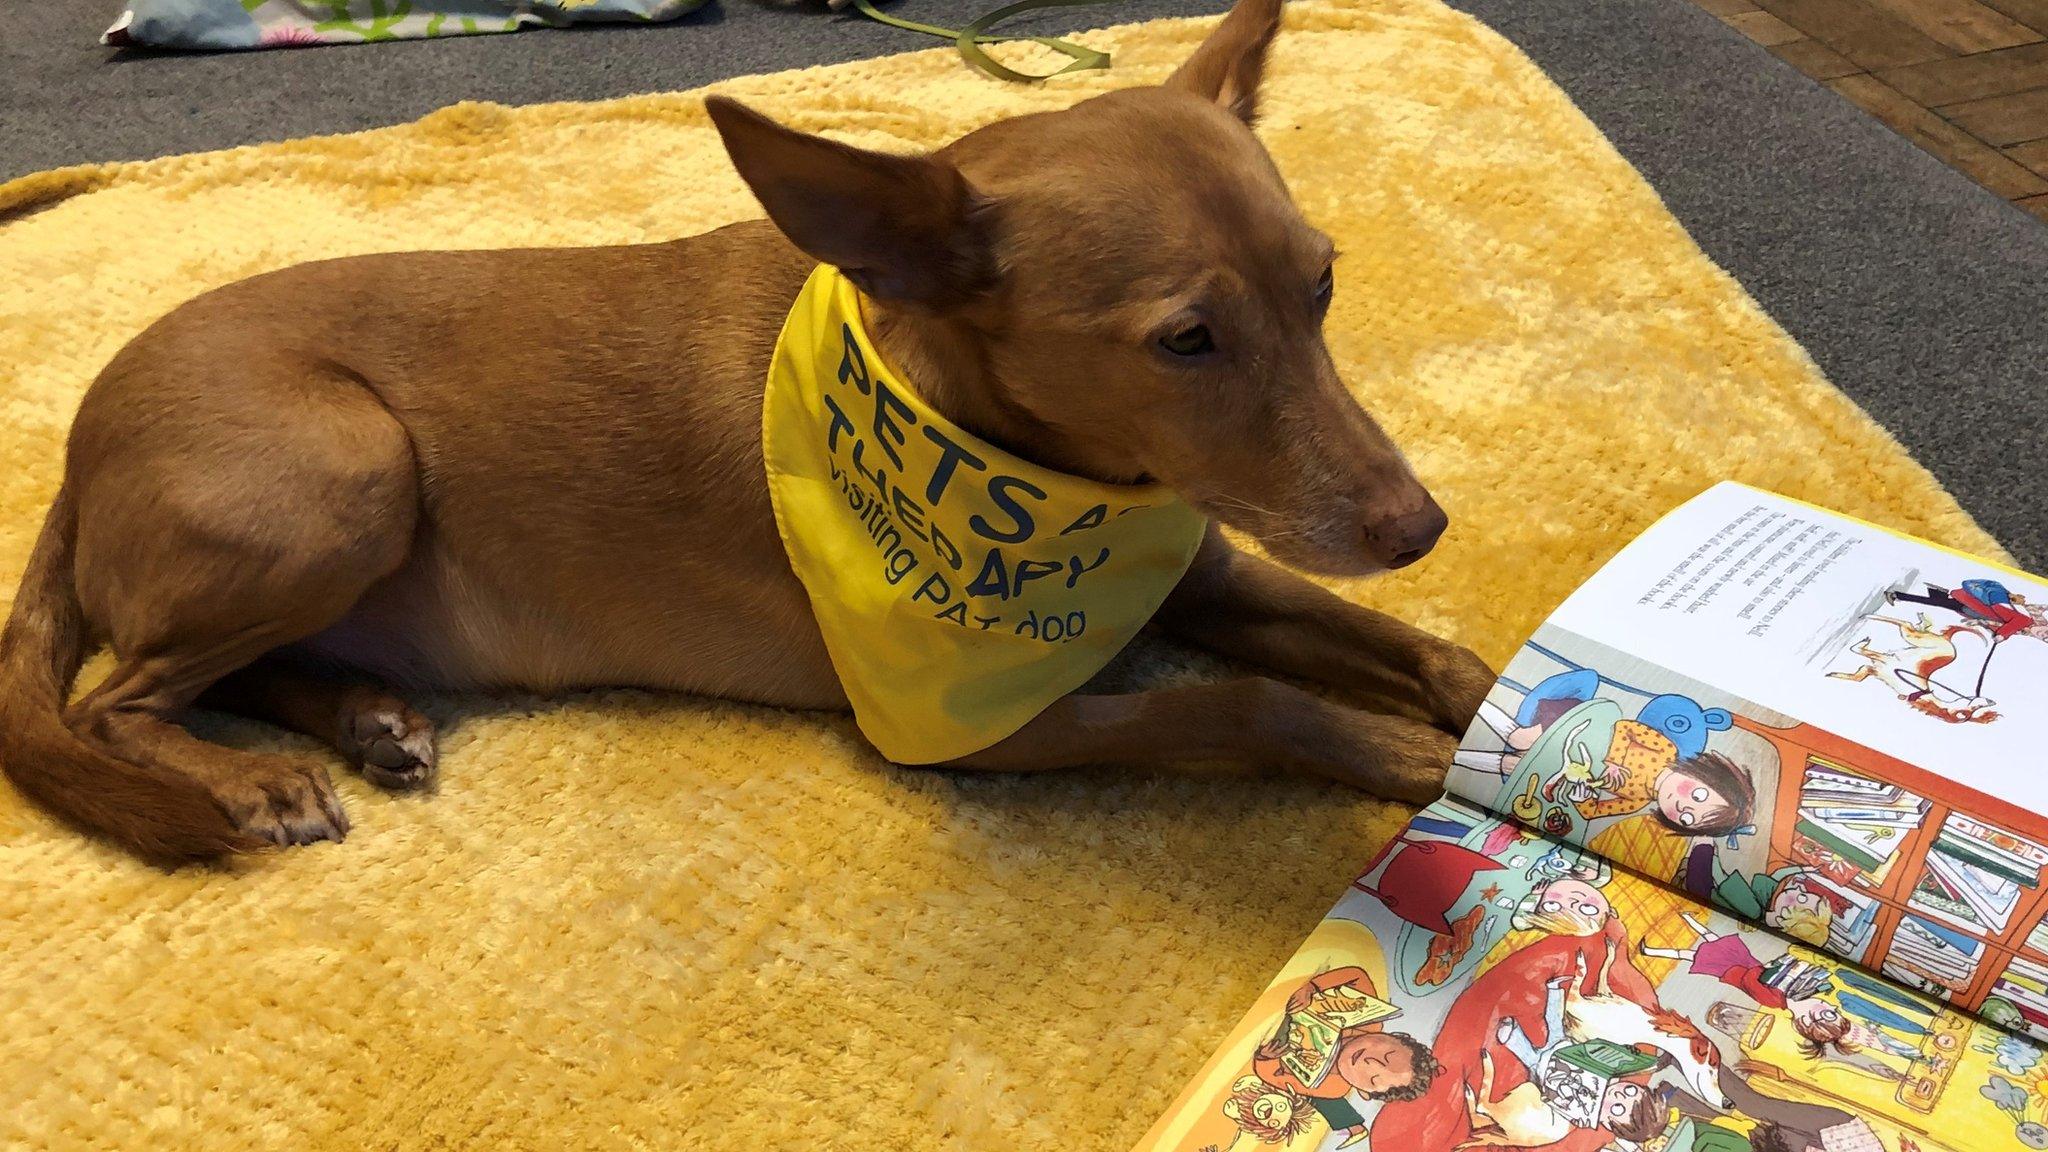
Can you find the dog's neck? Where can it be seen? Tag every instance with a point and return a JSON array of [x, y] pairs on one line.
[[943, 360]]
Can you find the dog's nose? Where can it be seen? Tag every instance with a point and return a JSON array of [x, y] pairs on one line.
[[1404, 539]]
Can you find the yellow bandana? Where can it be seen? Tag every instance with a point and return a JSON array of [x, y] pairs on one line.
[[960, 589]]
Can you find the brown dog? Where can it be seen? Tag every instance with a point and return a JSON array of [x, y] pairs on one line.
[[279, 503]]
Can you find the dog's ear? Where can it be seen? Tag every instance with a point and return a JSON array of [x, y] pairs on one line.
[[1227, 67], [902, 228]]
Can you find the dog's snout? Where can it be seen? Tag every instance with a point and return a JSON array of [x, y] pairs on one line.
[[1403, 539]]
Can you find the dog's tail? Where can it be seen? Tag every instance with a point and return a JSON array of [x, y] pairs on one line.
[[154, 810]]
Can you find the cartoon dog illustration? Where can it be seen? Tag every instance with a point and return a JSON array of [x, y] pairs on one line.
[[1622, 1008], [1910, 671]]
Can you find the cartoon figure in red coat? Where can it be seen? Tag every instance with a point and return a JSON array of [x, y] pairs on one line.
[[1985, 602]]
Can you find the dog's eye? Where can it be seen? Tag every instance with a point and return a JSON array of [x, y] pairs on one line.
[[1326, 288], [1189, 341]]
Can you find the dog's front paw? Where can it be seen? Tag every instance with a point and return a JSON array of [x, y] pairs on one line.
[[1455, 682], [1412, 768], [1390, 756]]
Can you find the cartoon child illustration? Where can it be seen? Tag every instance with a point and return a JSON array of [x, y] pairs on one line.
[[1789, 900], [1705, 795], [1570, 905], [1798, 988], [1680, 720], [1378, 1065], [1988, 609], [1267, 1114], [1538, 1110], [1783, 983], [1985, 601]]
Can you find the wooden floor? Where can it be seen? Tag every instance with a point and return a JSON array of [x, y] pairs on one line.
[[1965, 79]]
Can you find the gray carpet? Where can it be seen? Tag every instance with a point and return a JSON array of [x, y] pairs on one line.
[[64, 99], [1922, 296]]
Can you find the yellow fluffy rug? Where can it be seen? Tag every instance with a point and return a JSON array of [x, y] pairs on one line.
[[634, 921]]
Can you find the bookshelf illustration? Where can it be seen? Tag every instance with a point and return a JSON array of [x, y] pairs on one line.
[[1945, 896]]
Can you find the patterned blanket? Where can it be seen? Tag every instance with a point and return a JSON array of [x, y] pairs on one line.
[[294, 23]]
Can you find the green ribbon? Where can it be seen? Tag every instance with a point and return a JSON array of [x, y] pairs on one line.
[[970, 39]]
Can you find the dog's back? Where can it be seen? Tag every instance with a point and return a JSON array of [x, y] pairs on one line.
[[543, 468]]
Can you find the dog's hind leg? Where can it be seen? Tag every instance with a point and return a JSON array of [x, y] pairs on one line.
[[277, 799], [215, 525], [1255, 720], [381, 736]]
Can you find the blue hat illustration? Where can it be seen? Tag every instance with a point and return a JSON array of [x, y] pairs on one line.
[[1685, 722]]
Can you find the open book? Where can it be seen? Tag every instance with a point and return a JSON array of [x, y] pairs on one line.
[[1744, 851]]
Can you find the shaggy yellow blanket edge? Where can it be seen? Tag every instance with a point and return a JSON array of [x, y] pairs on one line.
[[630, 920]]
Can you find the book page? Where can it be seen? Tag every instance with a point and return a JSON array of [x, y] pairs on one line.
[[1921, 654], [1800, 830], [1673, 744], [1535, 997], [1737, 835]]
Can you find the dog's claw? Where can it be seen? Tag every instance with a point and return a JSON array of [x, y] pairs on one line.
[[336, 815]]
